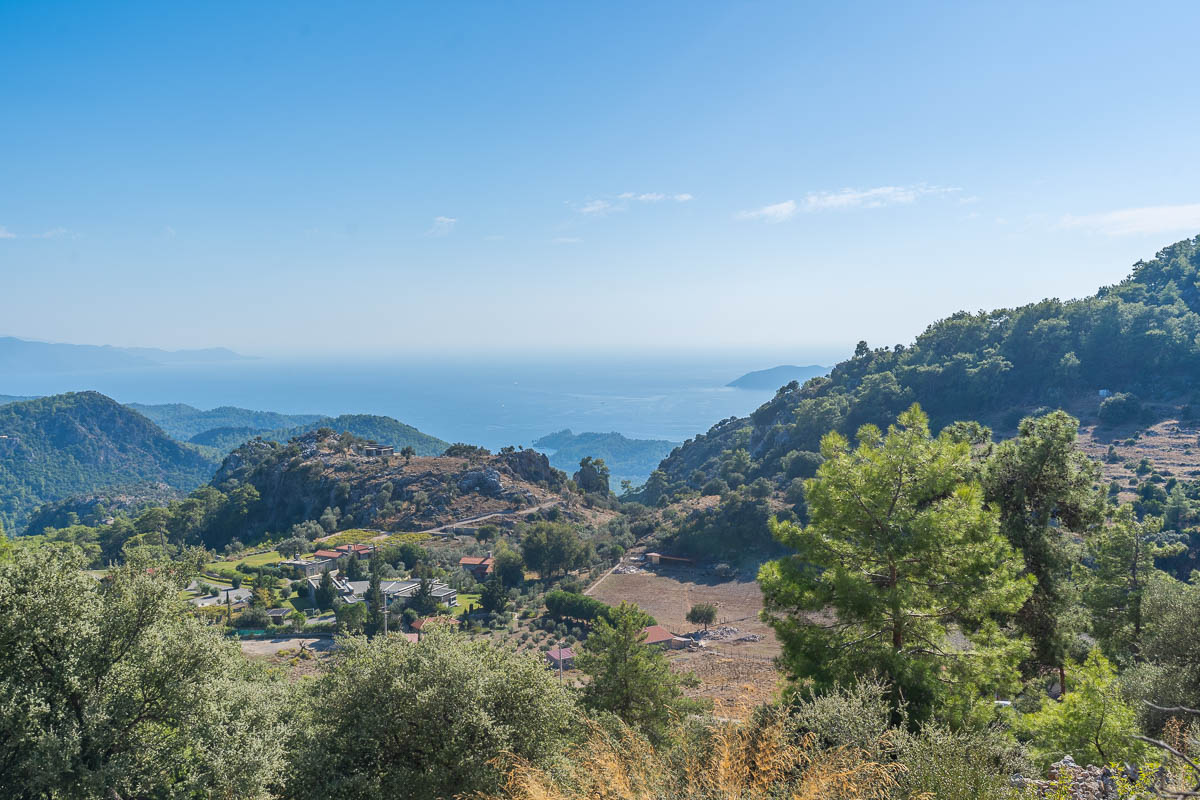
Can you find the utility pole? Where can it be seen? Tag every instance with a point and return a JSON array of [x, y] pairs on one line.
[[385, 615]]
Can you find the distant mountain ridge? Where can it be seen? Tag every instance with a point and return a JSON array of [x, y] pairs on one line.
[[775, 377], [54, 447], [26, 356]]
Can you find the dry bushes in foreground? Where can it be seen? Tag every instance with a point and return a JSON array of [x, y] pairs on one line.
[[731, 761]]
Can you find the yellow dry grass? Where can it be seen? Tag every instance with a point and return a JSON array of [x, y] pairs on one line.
[[737, 761]]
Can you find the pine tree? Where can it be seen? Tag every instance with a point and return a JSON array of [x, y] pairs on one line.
[[1043, 486], [630, 678], [899, 550]]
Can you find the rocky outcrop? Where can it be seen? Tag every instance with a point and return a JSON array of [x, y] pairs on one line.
[[532, 466], [485, 481]]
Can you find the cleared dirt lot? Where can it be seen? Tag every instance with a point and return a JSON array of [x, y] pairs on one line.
[[735, 675]]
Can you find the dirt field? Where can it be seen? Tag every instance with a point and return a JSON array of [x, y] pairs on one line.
[[735, 675], [1173, 448]]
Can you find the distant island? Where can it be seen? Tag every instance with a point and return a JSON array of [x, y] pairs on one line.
[[775, 377], [627, 459], [27, 356]]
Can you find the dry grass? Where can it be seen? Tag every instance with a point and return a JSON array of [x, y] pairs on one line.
[[737, 762]]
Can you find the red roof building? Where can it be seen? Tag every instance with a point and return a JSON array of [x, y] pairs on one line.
[[658, 635], [561, 658], [328, 554], [479, 566], [358, 550]]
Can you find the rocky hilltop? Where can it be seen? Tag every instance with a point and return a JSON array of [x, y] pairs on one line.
[[323, 470]]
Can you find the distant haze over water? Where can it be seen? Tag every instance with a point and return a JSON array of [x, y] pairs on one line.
[[482, 401]]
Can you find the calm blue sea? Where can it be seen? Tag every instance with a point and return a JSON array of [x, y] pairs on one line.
[[488, 402]]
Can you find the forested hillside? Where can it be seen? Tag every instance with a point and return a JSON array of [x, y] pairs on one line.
[[226, 427], [1137, 340], [264, 488], [54, 447], [384, 430]]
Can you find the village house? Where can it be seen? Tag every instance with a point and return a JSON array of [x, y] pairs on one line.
[[561, 658], [479, 567], [393, 591], [659, 636], [308, 567], [359, 551]]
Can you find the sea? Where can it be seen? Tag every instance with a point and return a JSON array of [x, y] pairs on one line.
[[489, 401]]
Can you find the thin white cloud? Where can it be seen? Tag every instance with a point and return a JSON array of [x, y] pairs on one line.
[[621, 202], [776, 212], [5, 233], [53, 233], [566, 240], [1132, 221], [845, 199], [597, 207], [877, 197], [441, 226]]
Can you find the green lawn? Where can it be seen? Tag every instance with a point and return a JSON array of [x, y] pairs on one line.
[[464, 602], [261, 559]]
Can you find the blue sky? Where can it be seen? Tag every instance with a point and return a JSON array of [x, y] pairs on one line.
[[768, 176]]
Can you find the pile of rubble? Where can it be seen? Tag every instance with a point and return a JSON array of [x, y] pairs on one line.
[[627, 569], [721, 633], [1086, 783]]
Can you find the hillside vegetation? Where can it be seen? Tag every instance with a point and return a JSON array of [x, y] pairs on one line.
[[1137, 339], [264, 488], [55, 447]]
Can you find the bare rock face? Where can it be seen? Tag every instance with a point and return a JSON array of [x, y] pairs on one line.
[[532, 466], [485, 481]]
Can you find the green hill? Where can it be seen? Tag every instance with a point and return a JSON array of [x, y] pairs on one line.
[[183, 422], [1140, 337], [55, 447], [383, 430]]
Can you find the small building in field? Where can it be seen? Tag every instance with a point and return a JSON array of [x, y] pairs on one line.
[[479, 567], [278, 615], [561, 658], [658, 559], [659, 636]]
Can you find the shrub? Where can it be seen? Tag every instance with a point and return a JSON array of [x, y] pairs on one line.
[[1120, 408]]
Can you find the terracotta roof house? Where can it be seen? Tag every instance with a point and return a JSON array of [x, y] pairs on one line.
[[561, 658], [480, 567], [358, 550], [659, 636], [328, 554]]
